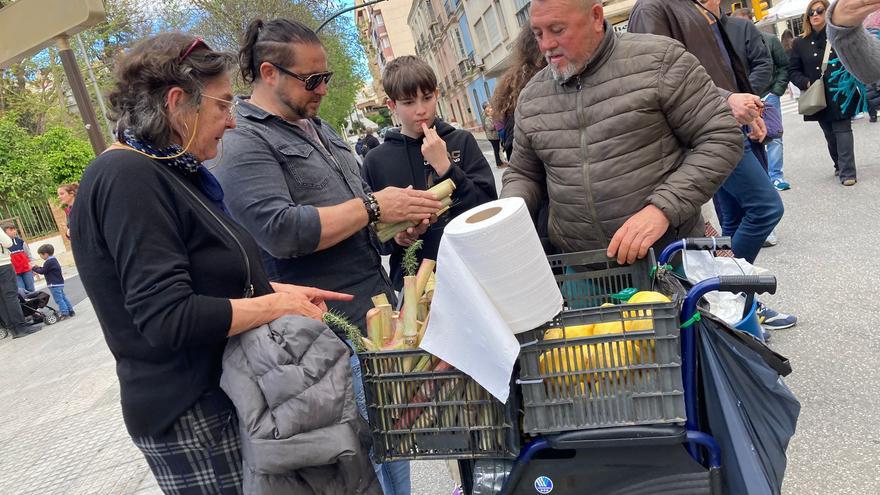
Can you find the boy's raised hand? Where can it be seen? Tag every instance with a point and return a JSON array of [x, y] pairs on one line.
[[434, 151]]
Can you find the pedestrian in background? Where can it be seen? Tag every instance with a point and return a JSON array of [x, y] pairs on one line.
[[527, 61], [492, 134], [370, 142], [806, 67], [10, 309], [20, 255], [66, 196], [51, 269], [773, 107]]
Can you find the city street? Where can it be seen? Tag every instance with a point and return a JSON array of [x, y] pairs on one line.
[[61, 430]]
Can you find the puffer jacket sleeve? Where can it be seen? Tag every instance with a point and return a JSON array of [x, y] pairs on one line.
[[526, 177], [702, 122]]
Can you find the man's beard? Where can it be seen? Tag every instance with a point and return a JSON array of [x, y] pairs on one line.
[[297, 112], [561, 75]]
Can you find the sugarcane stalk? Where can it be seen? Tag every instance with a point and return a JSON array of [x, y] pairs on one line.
[[385, 324], [429, 287], [423, 275], [409, 317], [374, 325], [387, 231], [380, 299]]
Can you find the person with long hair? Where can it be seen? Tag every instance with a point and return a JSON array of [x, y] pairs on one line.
[[527, 61], [805, 69], [66, 196]]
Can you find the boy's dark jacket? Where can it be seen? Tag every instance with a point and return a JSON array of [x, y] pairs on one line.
[[51, 269], [398, 162]]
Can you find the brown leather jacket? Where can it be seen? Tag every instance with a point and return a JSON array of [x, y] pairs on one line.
[[691, 24]]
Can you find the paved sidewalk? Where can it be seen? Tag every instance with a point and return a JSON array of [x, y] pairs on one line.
[[61, 429]]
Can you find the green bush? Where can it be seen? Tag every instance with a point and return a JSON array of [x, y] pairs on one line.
[[65, 154], [32, 166]]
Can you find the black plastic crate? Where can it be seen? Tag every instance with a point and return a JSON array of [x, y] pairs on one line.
[[433, 415], [576, 381]]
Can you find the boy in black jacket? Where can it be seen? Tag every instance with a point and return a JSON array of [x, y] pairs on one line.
[[51, 269], [424, 152]]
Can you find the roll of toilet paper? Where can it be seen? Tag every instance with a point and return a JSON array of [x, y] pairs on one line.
[[493, 281]]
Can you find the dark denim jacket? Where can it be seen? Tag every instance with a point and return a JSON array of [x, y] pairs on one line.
[[275, 177]]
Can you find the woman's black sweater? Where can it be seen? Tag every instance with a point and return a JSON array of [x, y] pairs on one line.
[[159, 270]]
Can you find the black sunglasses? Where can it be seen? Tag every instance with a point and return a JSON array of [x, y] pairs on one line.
[[812, 12], [312, 80]]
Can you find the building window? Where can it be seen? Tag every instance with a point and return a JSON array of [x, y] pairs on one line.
[[459, 43], [385, 42], [499, 12], [481, 36], [522, 11], [492, 27], [379, 20]]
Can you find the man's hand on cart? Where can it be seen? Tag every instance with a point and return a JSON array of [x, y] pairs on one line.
[[636, 236]]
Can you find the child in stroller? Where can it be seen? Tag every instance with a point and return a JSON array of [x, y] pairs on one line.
[[35, 307]]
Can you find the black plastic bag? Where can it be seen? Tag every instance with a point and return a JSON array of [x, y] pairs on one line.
[[746, 407]]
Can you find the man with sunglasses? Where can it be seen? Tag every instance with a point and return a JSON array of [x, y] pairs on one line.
[[295, 184]]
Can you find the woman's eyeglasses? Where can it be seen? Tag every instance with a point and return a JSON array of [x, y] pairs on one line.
[[226, 103], [312, 81], [818, 11]]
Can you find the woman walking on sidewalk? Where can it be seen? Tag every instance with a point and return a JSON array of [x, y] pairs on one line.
[[805, 68], [170, 275]]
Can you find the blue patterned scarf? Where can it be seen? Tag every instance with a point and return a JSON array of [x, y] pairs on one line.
[[186, 163]]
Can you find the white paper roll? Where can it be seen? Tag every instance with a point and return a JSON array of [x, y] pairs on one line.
[[493, 281], [498, 243]]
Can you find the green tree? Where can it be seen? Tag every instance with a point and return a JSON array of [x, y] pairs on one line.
[[21, 177], [223, 23], [65, 154]]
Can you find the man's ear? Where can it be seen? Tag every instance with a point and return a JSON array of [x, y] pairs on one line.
[[392, 105], [268, 73]]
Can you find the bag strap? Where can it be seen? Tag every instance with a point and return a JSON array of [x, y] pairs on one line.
[[825, 58], [249, 286]]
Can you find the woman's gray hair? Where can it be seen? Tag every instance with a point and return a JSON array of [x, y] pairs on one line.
[[146, 73]]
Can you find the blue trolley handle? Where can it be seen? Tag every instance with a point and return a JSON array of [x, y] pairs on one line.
[[695, 244], [758, 284]]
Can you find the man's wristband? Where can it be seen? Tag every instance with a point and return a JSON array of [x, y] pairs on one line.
[[372, 207]]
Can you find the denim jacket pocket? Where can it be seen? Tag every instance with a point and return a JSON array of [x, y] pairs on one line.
[[307, 168]]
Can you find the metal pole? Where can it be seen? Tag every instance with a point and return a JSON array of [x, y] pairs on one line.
[[98, 95], [81, 95], [347, 9]]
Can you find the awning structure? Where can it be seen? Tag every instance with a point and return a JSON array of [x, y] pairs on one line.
[[785, 10]]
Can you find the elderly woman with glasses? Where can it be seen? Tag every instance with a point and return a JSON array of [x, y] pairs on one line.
[[805, 68], [169, 274]]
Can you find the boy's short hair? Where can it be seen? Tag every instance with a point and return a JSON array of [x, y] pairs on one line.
[[46, 249], [406, 76], [7, 225]]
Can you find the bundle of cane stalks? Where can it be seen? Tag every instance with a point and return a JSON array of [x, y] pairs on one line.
[[442, 192]]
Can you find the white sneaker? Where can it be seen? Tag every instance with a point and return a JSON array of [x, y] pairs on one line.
[[772, 240]]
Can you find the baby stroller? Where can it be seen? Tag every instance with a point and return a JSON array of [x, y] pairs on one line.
[[35, 307]]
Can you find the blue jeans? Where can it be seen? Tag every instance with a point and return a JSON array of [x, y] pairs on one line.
[[64, 305], [25, 281], [393, 476], [748, 206], [774, 149]]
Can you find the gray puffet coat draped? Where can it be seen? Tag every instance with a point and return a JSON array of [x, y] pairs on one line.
[[290, 381]]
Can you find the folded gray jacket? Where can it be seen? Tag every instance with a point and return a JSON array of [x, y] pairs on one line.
[[290, 381]]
